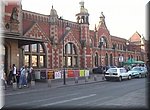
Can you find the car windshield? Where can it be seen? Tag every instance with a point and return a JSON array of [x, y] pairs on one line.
[[112, 70], [136, 69]]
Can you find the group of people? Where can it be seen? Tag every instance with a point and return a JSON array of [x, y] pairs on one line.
[[25, 76], [22, 77]]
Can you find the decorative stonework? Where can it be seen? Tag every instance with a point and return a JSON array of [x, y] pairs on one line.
[[13, 24], [36, 32]]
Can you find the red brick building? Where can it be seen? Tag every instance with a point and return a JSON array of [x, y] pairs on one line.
[[49, 41]]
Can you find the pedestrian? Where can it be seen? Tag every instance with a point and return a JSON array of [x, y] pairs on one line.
[[30, 74], [10, 77], [3, 78], [22, 76], [26, 76], [14, 72]]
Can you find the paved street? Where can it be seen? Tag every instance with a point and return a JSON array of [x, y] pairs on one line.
[[112, 94]]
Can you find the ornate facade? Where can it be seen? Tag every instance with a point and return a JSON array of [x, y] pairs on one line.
[[49, 41]]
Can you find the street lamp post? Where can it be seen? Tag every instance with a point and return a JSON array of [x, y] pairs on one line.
[[127, 43], [66, 29], [64, 75]]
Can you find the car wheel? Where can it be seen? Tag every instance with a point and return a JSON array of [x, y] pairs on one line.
[[107, 79], [120, 78], [145, 75], [140, 76], [129, 77]]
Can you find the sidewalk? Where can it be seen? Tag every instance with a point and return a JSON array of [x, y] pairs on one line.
[[55, 83]]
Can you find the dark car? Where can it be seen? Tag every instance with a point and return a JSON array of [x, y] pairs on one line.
[[98, 70]]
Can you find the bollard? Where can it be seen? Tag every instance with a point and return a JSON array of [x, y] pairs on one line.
[[76, 79], [86, 78], [14, 86], [32, 83], [49, 83], [95, 78], [103, 78]]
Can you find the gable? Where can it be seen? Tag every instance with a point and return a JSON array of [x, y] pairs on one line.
[[69, 37], [135, 37], [35, 32]]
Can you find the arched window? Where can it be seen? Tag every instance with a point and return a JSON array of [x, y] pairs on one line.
[[70, 56], [34, 55], [23, 15], [106, 59], [96, 59], [90, 42], [26, 16], [104, 40], [111, 59]]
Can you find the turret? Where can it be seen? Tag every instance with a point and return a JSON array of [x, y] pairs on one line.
[[53, 16], [83, 16], [53, 20]]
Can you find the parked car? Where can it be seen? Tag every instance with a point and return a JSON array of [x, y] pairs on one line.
[[117, 74], [107, 67], [98, 70], [138, 72]]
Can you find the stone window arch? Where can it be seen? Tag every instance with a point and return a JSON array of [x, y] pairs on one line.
[[106, 59], [111, 59], [29, 16], [32, 16], [70, 55], [35, 17], [26, 16], [105, 42], [96, 59], [23, 15]]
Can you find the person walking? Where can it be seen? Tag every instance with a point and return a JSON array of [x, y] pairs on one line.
[[30, 74], [25, 81], [10, 77], [21, 78], [14, 72], [3, 78]]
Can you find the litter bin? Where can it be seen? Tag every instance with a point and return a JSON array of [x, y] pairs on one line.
[[37, 75]]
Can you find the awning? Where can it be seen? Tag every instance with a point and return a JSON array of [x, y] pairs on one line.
[[132, 61], [23, 40]]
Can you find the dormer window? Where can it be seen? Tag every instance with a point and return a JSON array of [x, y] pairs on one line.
[[103, 39]]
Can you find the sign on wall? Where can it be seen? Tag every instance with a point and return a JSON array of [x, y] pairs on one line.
[[120, 58], [57, 75], [86, 72]]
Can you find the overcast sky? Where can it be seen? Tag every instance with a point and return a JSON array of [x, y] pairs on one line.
[[123, 17]]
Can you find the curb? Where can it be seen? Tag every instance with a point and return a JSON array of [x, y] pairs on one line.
[[12, 92]]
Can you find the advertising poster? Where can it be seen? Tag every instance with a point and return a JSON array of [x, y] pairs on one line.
[[70, 73], [57, 75], [76, 73], [86, 72], [81, 73]]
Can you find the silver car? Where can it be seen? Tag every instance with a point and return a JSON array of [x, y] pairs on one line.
[[138, 72]]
